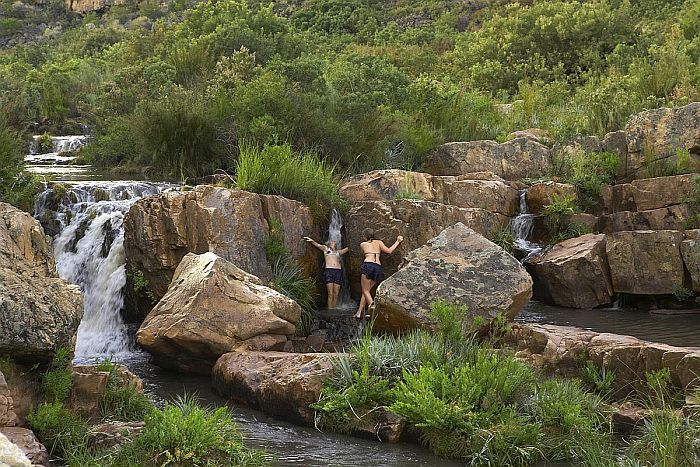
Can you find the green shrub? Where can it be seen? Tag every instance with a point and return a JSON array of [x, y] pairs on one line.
[[408, 190], [601, 380], [57, 381], [503, 238], [185, 434], [44, 143], [16, 187], [58, 429], [279, 170], [291, 280], [9, 26], [122, 401], [667, 439]]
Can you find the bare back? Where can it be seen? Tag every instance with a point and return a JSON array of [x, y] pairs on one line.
[[372, 251]]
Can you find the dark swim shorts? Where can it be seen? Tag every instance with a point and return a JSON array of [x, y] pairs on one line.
[[333, 276], [372, 271]]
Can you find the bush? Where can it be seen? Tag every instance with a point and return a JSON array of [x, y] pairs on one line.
[[122, 401], [57, 381], [58, 429], [503, 238], [279, 170], [16, 187], [290, 279]]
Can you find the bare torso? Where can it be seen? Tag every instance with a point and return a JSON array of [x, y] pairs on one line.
[[371, 251], [332, 258]]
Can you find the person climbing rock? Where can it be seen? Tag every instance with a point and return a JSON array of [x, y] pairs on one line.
[[372, 266], [333, 272]]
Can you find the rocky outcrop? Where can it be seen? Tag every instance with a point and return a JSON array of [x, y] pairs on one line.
[[282, 385], [540, 195], [86, 6], [39, 312], [90, 386], [645, 262], [418, 221], [28, 444], [213, 307], [11, 454], [573, 273], [562, 350], [513, 160], [480, 190], [535, 134], [655, 136], [651, 193], [458, 265], [234, 224], [669, 218]]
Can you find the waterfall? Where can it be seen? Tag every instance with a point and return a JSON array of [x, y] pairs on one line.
[[334, 234], [60, 143], [521, 228], [89, 248]]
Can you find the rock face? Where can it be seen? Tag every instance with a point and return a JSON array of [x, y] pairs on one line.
[[560, 350], [39, 312], [669, 218], [573, 273], [458, 265], [480, 190], [282, 385], [513, 160], [645, 262], [690, 250], [540, 195], [655, 135], [418, 221], [20, 390], [28, 444], [11, 454], [90, 385], [234, 224], [652, 193], [213, 307], [86, 6]]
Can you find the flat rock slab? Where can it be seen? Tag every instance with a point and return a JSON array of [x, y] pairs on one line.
[[460, 266]]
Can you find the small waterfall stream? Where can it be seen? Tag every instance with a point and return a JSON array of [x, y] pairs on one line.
[[335, 234], [521, 228], [89, 249]]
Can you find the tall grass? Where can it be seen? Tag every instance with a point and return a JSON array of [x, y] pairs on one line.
[[280, 170]]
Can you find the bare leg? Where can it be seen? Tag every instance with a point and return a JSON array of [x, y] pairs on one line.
[[367, 285], [335, 289], [361, 307], [329, 300]]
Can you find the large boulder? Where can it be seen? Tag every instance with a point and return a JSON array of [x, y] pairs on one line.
[[90, 386], [540, 195], [418, 221], [39, 312], [645, 262], [282, 385], [213, 307], [480, 190], [573, 273], [28, 443], [458, 265], [656, 135], [160, 230], [513, 160], [668, 218], [652, 193], [12, 455]]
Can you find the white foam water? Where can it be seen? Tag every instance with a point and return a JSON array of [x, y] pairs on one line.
[[521, 227], [60, 143], [335, 234]]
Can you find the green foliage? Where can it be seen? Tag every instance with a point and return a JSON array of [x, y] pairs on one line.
[[141, 285], [503, 238], [57, 381], [588, 172], [291, 280], [601, 380], [9, 26], [274, 245], [655, 166], [682, 294], [57, 428], [279, 170], [44, 143], [16, 187], [122, 400], [667, 439], [408, 189], [185, 434]]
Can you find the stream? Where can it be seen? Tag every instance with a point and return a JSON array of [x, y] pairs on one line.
[[86, 222]]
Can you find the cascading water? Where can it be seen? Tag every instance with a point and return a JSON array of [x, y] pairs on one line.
[[61, 155], [334, 234], [521, 228], [89, 250]]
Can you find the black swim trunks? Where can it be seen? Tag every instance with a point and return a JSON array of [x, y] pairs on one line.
[[372, 271], [333, 276]]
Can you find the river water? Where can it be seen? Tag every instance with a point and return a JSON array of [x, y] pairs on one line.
[[89, 251]]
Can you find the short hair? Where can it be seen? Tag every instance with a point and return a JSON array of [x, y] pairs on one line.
[[368, 234]]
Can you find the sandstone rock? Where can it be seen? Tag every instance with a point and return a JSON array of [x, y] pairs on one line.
[[28, 443], [480, 190], [655, 135], [213, 307], [573, 273], [90, 385], [86, 6], [418, 221], [645, 262], [458, 265], [513, 160], [8, 417], [669, 218], [653, 193], [382, 425], [234, 224], [626, 417], [535, 134], [615, 142], [690, 251], [108, 435], [23, 246], [11, 455], [282, 385], [540, 195]]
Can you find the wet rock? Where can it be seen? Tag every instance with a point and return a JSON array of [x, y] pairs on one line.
[[645, 262], [280, 384], [573, 273], [39, 312], [381, 425], [213, 307], [160, 230], [458, 265], [418, 221], [513, 160], [29, 445], [655, 136], [540, 195]]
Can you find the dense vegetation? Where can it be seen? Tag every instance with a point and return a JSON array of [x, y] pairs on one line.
[[467, 400], [363, 84]]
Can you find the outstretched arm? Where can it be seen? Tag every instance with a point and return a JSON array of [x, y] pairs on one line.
[[314, 243], [344, 250], [390, 249]]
